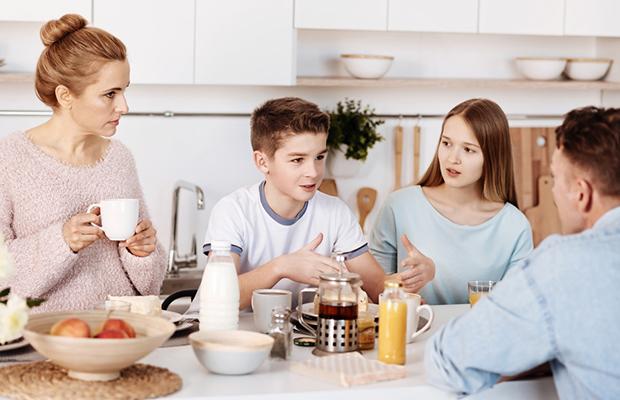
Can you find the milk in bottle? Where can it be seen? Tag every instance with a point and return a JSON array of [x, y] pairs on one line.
[[219, 290]]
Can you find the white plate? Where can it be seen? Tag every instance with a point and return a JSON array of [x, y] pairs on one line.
[[307, 309], [14, 345], [171, 316]]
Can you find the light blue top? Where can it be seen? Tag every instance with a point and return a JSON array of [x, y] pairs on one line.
[[560, 305], [461, 252]]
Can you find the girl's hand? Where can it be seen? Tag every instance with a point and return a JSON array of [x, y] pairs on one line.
[[143, 242], [420, 271]]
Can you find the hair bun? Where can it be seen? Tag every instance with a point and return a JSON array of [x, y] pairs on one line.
[[57, 29]]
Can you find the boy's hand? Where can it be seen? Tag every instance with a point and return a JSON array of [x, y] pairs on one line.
[[305, 266], [421, 268]]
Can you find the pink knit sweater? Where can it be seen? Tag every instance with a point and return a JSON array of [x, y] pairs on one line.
[[38, 194]]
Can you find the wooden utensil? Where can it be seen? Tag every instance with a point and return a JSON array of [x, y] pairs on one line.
[[544, 217], [416, 154], [328, 186], [398, 156], [366, 198]]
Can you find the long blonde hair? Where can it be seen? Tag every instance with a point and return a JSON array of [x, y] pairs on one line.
[[490, 126]]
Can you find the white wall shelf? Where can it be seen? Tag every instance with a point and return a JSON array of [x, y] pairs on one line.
[[452, 83], [16, 77]]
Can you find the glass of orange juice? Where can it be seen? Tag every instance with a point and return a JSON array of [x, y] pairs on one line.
[[477, 289]]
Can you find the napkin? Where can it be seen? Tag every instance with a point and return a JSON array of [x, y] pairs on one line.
[[348, 369]]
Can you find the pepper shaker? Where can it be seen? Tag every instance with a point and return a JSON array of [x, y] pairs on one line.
[[281, 331]]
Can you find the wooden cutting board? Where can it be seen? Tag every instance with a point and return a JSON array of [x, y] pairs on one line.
[[544, 217], [328, 186], [416, 153], [398, 156]]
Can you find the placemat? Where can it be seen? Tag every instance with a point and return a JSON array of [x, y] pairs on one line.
[[45, 380]]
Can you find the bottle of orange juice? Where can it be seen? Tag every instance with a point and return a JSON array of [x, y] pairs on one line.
[[392, 324]]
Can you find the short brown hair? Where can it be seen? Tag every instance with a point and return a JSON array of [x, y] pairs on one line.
[[279, 118], [590, 139], [72, 56], [490, 126]]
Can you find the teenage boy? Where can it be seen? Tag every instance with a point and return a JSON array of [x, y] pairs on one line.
[[282, 230], [561, 304]]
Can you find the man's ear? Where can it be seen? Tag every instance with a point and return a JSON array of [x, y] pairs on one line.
[[64, 97], [261, 161], [585, 195]]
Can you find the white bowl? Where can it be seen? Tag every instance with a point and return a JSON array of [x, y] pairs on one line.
[[231, 352], [366, 66], [96, 359], [587, 69], [541, 68]]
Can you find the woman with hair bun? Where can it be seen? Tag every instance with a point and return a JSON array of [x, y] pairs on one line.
[[51, 173]]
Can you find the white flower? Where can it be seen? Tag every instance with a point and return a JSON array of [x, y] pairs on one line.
[[13, 318], [6, 267]]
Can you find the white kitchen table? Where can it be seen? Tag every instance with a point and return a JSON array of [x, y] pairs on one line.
[[273, 380]]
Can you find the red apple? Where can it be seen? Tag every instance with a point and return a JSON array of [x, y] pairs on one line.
[[119, 325], [74, 327], [111, 334]]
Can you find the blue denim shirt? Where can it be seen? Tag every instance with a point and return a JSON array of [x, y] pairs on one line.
[[562, 305]]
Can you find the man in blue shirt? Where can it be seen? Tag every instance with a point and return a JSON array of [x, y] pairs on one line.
[[562, 304]]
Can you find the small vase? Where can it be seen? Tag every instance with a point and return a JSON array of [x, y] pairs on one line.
[[341, 167]]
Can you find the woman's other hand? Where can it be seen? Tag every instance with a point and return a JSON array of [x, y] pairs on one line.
[[419, 270], [78, 231], [143, 242]]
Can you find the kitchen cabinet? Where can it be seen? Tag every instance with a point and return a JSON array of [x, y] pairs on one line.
[[369, 15], [592, 18], [245, 42], [433, 16], [159, 36], [43, 10], [525, 17]]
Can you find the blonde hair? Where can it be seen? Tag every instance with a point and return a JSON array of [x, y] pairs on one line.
[[490, 126], [72, 56]]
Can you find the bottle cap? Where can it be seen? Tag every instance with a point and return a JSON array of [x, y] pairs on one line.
[[392, 284]]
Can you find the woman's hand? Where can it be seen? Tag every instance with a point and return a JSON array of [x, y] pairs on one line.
[[78, 231], [420, 269], [143, 242]]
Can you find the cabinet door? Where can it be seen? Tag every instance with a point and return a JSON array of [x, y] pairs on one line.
[[159, 35], [433, 16], [527, 17], [245, 42], [43, 10], [592, 17], [370, 15]]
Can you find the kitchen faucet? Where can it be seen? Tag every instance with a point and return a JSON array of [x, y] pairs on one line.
[[176, 261]]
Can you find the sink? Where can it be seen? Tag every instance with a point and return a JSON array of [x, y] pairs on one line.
[[183, 280]]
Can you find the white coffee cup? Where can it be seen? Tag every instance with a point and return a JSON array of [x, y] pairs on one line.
[[119, 217], [413, 316], [263, 303]]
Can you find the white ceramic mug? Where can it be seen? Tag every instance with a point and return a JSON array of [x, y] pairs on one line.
[[119, 217], [413, 316], [263, 303]]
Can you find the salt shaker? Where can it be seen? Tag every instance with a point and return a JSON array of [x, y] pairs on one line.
[[281, 331]]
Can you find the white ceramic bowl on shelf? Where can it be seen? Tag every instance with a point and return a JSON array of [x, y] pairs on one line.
[[541, 68], [231, 352], [587, 69], [366, 66]]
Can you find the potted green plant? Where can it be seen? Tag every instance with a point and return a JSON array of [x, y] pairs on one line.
[[352, 133]]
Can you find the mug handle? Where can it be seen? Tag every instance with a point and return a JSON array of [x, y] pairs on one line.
[[431, 317], [89, 209], [301, 314]]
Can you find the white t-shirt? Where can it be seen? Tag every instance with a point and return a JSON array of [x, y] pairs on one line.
[[258, 234]]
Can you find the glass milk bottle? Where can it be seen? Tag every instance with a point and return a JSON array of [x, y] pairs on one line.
[[392, 324], [219, 290]]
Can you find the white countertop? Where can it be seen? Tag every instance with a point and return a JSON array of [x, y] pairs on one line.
[[274, 380]]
